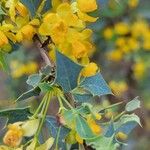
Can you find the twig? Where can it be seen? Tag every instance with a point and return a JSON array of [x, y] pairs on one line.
[[43, 51]]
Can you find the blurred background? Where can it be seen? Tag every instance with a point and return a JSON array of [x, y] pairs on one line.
[[122, 51]]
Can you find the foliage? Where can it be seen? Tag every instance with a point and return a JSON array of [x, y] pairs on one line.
[[59, 32]]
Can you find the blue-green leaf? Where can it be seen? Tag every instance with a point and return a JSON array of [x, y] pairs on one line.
[[34, 80], [33, 92], [45, 87], [83, 128], [15, 114], [96, 85], [53, 127], [67, 72], [132, 105], [32, 5]]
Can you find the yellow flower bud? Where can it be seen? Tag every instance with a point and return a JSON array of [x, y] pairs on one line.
[[21, 9], [87, 5], [90, 70], [121, 136]]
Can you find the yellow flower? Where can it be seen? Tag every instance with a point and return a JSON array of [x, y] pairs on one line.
[[16, 7], [118, 87], [18, 130], [133, 43], [14, 135], [121, 28], [78, 138], [108, 33], [139, 28], [3, 39], [18, 69], [115, 55], [139, 69], [133, 3], [90, 70], [93, 125], [87, 5], [121, 136]]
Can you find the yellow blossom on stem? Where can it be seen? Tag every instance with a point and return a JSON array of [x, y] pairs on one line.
[[133, 3], [121, 136], [121, 28], [14, 135], [90, 70], [139, 69], [93, 125]]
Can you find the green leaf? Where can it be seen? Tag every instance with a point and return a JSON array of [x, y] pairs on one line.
[[3, 63], [33, 92], [127, 123], [67, 72], [81, 95], [132, 105], [83, 128], [47, 145], [53, 127], [34, 80], [103, 143], [96, 85], [32, 5], [15, 114], [1, 11], [45, 87]]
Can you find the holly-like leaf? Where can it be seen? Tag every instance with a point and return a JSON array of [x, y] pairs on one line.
[[83, 128], [81, 95], [34, 80], [33, 92], [55, 129], [67, 72], [47, 6], [103, 143], [32, 5], [15, 114], [125, 124], [132, 105], [45, 87], [96, 85]]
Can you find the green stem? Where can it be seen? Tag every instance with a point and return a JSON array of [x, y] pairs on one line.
[[119, 115], [111, 106], [60, 102], [69, 105], [48, 98], [57, 138], [40, 106]]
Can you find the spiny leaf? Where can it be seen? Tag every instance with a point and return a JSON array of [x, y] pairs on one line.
[[45, 87], [132, 105], [15, 114], [53, 128], [33, 92], [103, 143], [32, 5], [96, 85], [67, 72], [34, 80]]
